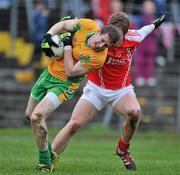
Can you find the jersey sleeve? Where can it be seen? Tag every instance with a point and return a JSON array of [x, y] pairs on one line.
[[135, 37], [144, 31], [95, 61]]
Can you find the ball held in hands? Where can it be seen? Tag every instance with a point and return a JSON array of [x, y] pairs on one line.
[[57, 51], [52, 45]]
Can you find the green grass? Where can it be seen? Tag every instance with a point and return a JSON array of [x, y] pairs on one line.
[[91, 152]]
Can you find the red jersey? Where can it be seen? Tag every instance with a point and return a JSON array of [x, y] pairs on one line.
[[115, 73]]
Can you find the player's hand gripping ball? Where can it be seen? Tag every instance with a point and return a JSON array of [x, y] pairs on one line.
[[61, 40], [52, 46]]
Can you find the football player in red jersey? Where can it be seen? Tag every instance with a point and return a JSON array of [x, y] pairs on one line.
[[111, 85]]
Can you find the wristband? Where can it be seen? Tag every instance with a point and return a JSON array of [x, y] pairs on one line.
[[68, 47]]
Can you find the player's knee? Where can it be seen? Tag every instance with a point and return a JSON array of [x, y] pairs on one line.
[[36, 118], [134, 116], [27, 115], [133, 113], [74, 126]]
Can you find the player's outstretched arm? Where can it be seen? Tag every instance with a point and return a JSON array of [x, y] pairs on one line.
[[159, 21], [146, 30]]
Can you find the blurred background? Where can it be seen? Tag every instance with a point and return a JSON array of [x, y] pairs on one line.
[[155, 70]]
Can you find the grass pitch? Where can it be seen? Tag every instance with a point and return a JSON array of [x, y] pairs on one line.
[[92, 152]]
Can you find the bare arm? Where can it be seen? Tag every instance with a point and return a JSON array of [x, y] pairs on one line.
[[62, 26], [72, 69]]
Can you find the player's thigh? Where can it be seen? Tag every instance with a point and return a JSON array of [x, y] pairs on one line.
[[83, 111], [127, 103], [44, 108], [32, 103]]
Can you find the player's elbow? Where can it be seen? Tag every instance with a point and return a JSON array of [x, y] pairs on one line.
[[70, 73], [75, 72]]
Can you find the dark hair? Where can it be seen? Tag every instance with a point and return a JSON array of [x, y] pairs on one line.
[[115, 34], [120, 20]]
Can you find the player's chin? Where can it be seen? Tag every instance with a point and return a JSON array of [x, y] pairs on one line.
[[99, 48]]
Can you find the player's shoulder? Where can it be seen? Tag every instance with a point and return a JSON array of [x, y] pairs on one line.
[[88, 24], [133, 37], [87, 20], [132, 32]]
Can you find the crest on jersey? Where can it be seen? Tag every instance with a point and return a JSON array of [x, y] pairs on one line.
[[81, 55], [128, 50]]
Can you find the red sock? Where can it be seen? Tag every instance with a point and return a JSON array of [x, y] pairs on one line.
[[122, 146]]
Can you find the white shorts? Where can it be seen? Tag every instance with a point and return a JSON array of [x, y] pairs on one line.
[[100, 97]]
